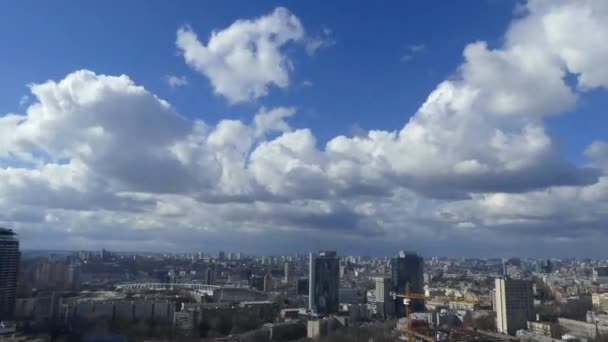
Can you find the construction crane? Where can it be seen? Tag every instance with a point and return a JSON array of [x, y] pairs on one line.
[[407, 299]]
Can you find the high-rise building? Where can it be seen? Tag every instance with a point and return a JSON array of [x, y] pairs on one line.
[[514, 304], [287, 272], [106, 256], [9, 264], [53, 274], [385, 305], [302, 286], [257, 282], [221, 255], [210, 275], [600, 274], [73, 277], [407, 271], [267, 282], [545, 266], [324, 278]]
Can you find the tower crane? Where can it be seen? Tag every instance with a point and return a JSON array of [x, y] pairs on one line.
[[407, 299]]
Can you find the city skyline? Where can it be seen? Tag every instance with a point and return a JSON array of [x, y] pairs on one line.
[[214, 254], [281, 298], [473, 131]]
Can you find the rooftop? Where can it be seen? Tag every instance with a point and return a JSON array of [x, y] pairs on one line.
[[7, 234], [6, 231]]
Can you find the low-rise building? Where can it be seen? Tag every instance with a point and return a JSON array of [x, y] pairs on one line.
[[547, 329], [581, 329], [183, 321], [600, 301], [322, 327], [287, 331]]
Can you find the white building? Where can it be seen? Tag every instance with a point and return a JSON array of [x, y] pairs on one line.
[[600, 301]]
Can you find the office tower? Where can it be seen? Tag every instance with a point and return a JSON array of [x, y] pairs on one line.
[[287, 274], [324, 278], [545, 266], [210, 275], [257, 282], [514, 304], [106, 256], [302, 286], [385, 305], [267, 282], [407, 270], [245, 274], [9, 263], [221, 255], [83, 255], [73, 277]]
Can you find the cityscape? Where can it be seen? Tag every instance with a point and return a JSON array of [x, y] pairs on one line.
[[323, 296], [303, 171]]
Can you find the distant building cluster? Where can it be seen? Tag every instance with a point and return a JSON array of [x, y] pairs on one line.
[[231, 296]]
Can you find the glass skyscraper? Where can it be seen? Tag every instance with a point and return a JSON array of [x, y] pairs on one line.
[[324, 281], [407, 270], [9, 265]]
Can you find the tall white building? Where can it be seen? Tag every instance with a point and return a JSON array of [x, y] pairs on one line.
[[385, 305], [287, 273], [514, 304]]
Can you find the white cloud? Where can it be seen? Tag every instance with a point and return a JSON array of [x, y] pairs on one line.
[[244, 59], [321, 41], [411, 51], [24, 100], [176, 81], [598, 153], [110, 159], [98, 121], [571, 32]]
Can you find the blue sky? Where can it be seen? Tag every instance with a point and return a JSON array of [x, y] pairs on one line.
[[375, 68], [356, 78]]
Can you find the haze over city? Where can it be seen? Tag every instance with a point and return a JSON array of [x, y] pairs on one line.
[[465, 129]]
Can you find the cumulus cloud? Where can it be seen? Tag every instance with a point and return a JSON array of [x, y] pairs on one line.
[[176, 81], [571, 32], [105, 155], [115, 129], [598, 153], [244, 59]]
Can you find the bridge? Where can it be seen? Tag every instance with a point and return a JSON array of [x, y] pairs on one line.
[[207, 289]]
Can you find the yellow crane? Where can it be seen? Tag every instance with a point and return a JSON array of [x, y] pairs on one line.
[[407, 298]]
